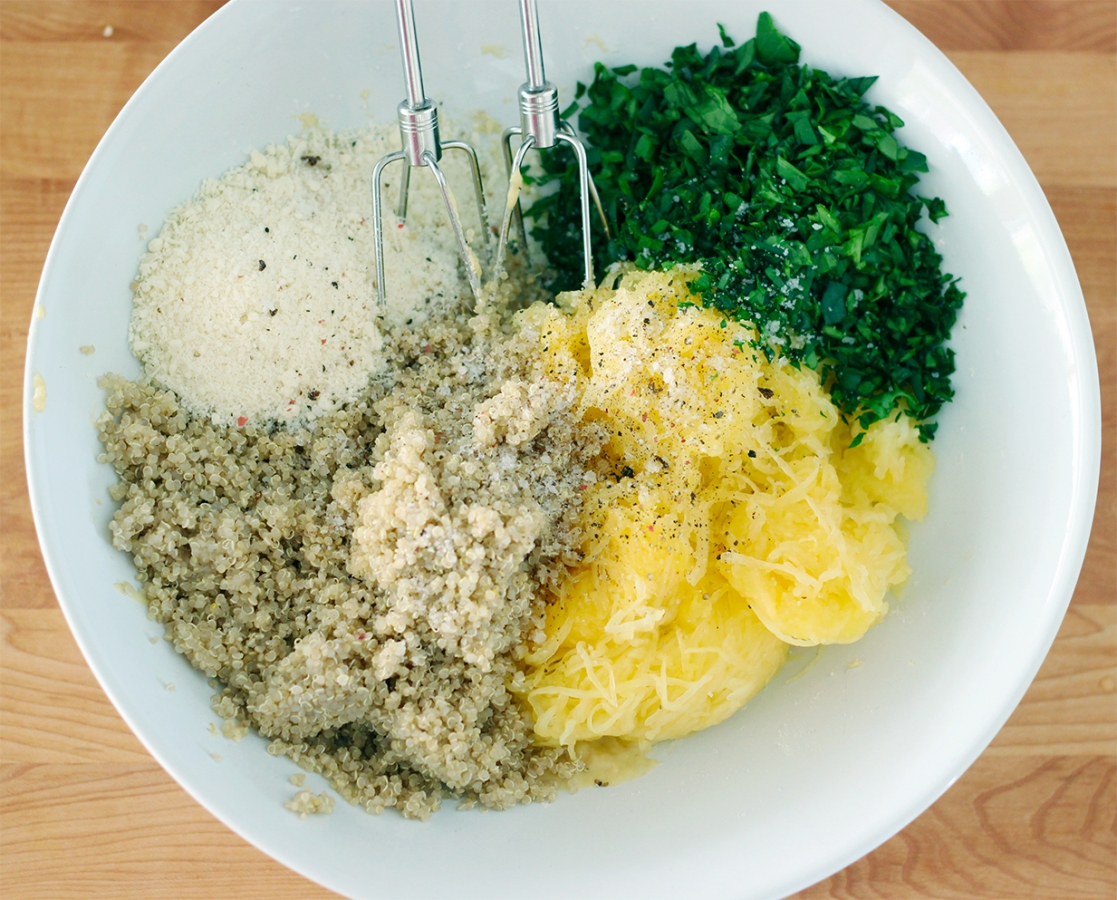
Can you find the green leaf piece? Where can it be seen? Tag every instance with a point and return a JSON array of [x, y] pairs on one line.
[[714, 114], [791, 175], [771, 46], [834, 303]]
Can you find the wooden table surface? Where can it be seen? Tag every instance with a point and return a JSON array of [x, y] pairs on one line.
[[86, 812]]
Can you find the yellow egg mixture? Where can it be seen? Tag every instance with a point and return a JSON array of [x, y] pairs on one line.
[[729, 517]]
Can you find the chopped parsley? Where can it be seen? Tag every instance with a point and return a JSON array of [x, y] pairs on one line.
[[793, 194]]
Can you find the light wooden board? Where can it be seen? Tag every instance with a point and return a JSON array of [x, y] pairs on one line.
[[86, 813]]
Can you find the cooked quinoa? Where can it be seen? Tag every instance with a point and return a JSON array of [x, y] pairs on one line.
[[306, 803], [361, 588]]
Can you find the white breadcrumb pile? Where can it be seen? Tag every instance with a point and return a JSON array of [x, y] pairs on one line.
[[256, 300], [464, 498], [362, 585]]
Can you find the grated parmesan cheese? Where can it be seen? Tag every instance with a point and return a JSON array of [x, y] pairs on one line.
[[256, 300]]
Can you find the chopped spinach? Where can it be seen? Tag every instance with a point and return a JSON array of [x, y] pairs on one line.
[[794, 195]]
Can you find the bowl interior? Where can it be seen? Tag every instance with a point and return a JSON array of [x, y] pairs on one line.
[[774, 798]]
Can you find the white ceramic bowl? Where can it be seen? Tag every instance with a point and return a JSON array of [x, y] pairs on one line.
[[817, 770]]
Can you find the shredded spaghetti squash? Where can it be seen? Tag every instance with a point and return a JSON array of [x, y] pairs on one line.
[[729, 518]]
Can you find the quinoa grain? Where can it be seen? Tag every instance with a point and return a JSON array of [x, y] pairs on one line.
[[361, 587]]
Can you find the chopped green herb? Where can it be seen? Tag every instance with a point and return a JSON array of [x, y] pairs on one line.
[[793, 194]]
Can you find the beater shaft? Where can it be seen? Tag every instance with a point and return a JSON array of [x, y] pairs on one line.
[[421, 147], [542, 128], [533, 44], [409, 52]]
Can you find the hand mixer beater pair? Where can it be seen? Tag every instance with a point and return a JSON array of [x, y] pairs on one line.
[[540, 127]]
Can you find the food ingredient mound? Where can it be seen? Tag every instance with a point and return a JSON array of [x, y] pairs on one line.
[[463, 501], [729, 517], [256, 299], [382, 658], [795, 196], [487, 554]]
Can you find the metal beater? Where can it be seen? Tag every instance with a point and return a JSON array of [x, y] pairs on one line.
[[541, 127], [418, 129]]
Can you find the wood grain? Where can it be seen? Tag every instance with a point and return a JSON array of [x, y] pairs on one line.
[[1083, 26], [86, 812], [142, 22], [1028, 827], [130, 832], [53, 709], [1050, 104]]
